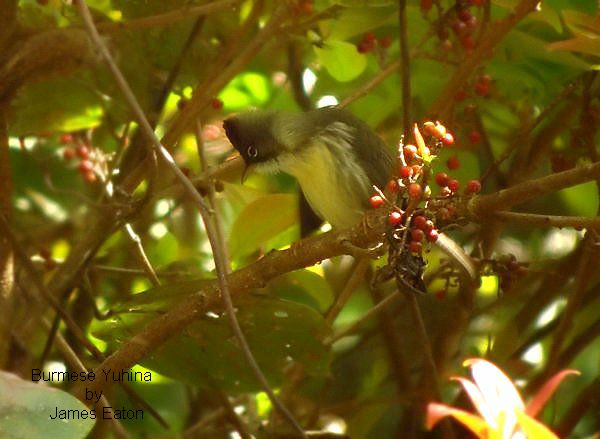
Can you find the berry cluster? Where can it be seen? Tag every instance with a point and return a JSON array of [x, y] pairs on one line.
[[75, 148], [412, 224], [370, 42], [460, 20]]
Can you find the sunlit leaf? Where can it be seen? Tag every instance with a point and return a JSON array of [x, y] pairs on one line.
[[26, 408], [341, 60], [261, 220]]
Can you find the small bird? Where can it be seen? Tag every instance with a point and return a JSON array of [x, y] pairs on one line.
[[335, 156]]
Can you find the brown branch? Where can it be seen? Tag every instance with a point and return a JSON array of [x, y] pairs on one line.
[[532, 219], [405, 69], [301, 254], [141, 254], [168, 18], [7, 291], [492, 36], [483, 205], [209, 216]]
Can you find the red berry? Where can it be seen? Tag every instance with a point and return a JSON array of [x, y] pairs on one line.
[[467, 42], [68, 154], [485, 79], [216, 103], [439, 131], [83, 152], [85, 166], [307, 7], [428, 128], [476, 2], [415, 191], [426, 5], [89, 177], [420, 222], [405, 171], [473, 187], [432, 235], [395, 218], [429, 226], [448, 139], [393, 186], [460, 95], [472, 22], [369, 37], [364, 47], [482, 88], [474, 137], [415, 247], [445, 192], [441, 178], [453, 163], [376, 201], [385, 42], [65, 138], [464, 15], [453, 185], [410, 151], [182, 103], [459, 27], [417, 235], [440, 294]]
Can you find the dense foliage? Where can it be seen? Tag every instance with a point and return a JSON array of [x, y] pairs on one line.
[[105, 262]]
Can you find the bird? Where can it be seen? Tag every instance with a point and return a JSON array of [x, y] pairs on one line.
[[335, 157]]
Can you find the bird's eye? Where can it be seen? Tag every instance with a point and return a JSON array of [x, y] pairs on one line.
[[252, 152]]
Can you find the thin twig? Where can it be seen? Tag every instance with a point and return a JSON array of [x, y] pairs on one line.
[[148, 269], [528, 190], [357, 274], [209, 216], [168, 18], [405, 69], [214, 230], [539, 220]]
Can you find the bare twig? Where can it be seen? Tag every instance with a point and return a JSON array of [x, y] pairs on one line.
[[405, 69], [539, 220], [168, 18], [214, 229], [485, 204], [209, 217], [492, 36], [148, 269]]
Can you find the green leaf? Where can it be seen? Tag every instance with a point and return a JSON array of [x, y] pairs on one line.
[[207, 353], [26, 408], [57, 105], [341, 60], [304, 286], [581, 199], [260, 221], [246, 90]]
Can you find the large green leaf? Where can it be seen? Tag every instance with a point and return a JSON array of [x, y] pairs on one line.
[[206, 352], [260, 221], [341, 60], [26, 408], [56, 105]]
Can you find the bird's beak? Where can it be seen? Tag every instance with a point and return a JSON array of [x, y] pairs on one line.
[[247, 170]]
